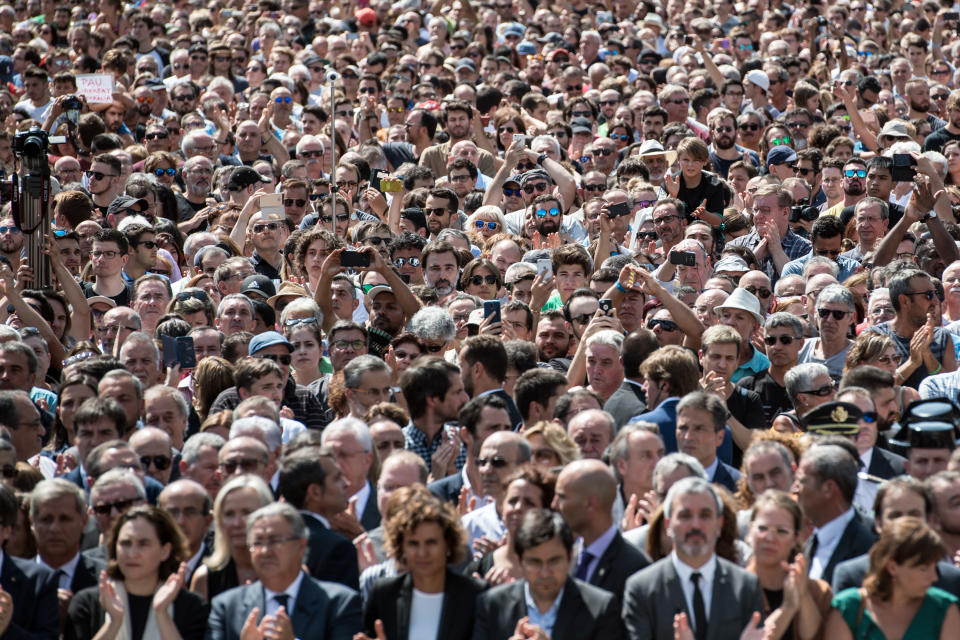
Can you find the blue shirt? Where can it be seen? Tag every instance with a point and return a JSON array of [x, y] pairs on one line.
[[795, 267], [547, 620], [416, 441], [597, 549], [759, 362]]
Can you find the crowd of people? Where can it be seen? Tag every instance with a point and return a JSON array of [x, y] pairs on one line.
[[497, 321]]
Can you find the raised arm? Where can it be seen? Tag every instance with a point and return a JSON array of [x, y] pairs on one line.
[[79, 309]]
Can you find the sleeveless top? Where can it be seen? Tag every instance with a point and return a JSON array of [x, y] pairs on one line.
[[220, 580], [925, 625]]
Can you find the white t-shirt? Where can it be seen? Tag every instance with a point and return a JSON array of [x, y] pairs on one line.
[[425, 615]]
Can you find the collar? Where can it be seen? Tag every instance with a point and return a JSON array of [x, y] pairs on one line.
[[685, 571], [639, 385], [292, 590], [867, 458], [486, 393], [193, 562], [712, 469], [319, 517], [830, 533], [69, 568], [599, 546], [532, 605], [362, 496]]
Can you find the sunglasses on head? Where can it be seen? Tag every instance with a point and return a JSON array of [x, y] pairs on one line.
[[665, 325], [772, 340], [478, 280], [283, 359]]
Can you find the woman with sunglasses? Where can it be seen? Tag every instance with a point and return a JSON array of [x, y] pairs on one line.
[[507, 122], [774, 135], [141, 595], [622, 134], [481, 278], [485, 222], [304, 335], [162, 165], [229, 564]]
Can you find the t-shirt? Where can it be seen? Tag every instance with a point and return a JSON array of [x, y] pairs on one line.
[[834, 363], [773, 396], [721, 165], [425, 610], [187, 209], [936, 140], [710, 189], [122, 299]]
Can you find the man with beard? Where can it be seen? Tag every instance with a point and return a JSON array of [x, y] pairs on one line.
[[693, 512], [197, 174], [670, 222], [266, 233], [483, 368], [366, 380], [783, 335], [441, 270], [773, 242], [391, 304], [440, 209], [936, 140], [657, 160], [104, 181], [879, 185], [434, 393], [853, 184], [918, 98], [457, 120], [916, 306], [142, 251], [11, 242], [826, 237], [145, 99], [724, 150], [553, 339]]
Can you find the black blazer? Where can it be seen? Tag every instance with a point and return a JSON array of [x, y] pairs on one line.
[[726, 476], [448, 489], [620, 561], [626, 402], [33, 589], [390, 598], [330, 556], [515, 418], [585, 613], [856, 540], [86, 616], [886, 464], [851, 573], [370, 518], [87, 573]]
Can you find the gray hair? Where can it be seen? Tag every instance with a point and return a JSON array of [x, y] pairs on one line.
[[235, 296], [446, 234], [123, 374], [360, 365], [191, 448], [836, 293], [262, 429], [194, 239], [801, 376], [162, 390], [821, 261], [18, 346], [620, 447], [191, 140], [300, 305], [9, 334], [831, 462], [608, 337], [673, 461], [760, 447], [880, 292], [307, 139], [691, 486], [119, 475], [784, 319], [54, 489], [430, 323], [550, 140], [349, 425], [138, 337], [298, 528], [783, 282]]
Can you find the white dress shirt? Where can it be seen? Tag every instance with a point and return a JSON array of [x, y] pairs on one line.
[[292, 591], [362, 496], [70, 568], [828, 537], [707, 573]]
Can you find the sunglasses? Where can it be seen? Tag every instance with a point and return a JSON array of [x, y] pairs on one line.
[[9, 471], [96, 175], [244, 464], [929, 295], [267, 226], [778, 141], [855, 173], [293, 322], [160, 462], [376, 241], [619, 136], [280, 99], [837, 313], [665, 325], [822, 392], [497, 462], [595, 188], [9, 230], [772, 340], [870, 416], [119, 505], [283, 359], [489, 225], [157, 135], [160, 172], [512, 193], [413, 262], [149, 244], [530, 188], [186, 295], [341, 217], [542, 213], [648, 235], [760, 293], [478, 280], [752, 126], [523, 167]]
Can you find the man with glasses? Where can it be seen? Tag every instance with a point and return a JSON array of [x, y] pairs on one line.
[[155, 451], [420, 127], [675, 99], [914, 301], [103, 181], [826, 236], [245, 455], [267, 234], [834, 316], [783, 337], [462, 176], [724, 150], [142, 251], [113, 492], [67, 169], [940, 137], [183, 98], [190, 506], [670, 222], [771, 210], [441, 207], [11, 242], [109, 255]]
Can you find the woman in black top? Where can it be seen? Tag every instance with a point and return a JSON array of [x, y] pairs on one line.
[[140, 595]]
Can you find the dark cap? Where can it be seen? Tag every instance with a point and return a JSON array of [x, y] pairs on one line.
[[123, 202], [929, 424], [833, 418], [243, 177], [535, 174], [416, 216], [581, 125], [309, 61], [156, 84], [781, 154], [258, 284]]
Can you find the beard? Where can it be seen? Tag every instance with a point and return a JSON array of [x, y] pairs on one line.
[[443, 288], [855, 188], [724, 142], [547, 227]]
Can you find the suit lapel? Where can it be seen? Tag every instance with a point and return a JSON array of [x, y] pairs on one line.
[[846, 541], [253, 597], [10, 577], [675, 590], [306, 606], [405, 602], [605, 563], [570, 605], [719, 598]]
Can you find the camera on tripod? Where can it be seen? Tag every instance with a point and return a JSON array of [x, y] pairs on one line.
[[34, 143]]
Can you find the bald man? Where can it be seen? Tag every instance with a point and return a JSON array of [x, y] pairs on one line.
[[584, 496]]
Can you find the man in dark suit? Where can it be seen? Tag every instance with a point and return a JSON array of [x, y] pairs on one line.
[[311, 481], [584, 496], [189, 504], [881, 463], [283, 596], [701, 429], [350, 441], [903, 496], [669, 373], [28, 590], [544, 543], [718, 597], [825, 483], [479, 418], [483, 368], [630, 400], [97, 421]]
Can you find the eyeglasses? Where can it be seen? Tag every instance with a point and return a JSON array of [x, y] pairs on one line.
[[413, 262], [108, 254], [665, 325], [246, 465], [162, 463], [354, 345], [497, 462], [478, 280], [542, 213], [530, 188], [929, 295], [489, 225], [837, 313], [665, 219], [186, 295], [115, 328], [778, 141], [463, 177], [282, 359], [290, 202], [160, 172], [760, 293], [772, 340], [187, 512], [107, 508], [266, 226], [858, 173], [286, 99], [822, 392], [96, 175], [149, 244], [13, 230], [271, 543]]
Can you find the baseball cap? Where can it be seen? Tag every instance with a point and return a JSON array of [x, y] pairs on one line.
[[534, 175], [267, 339], [759, 78], [122, 202], [243, 177], [258, 284], [581, 125], [781, 154]]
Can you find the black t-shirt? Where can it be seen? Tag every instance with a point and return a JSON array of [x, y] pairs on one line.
[[938, 139], [773, 397], [187, 209], [122, 299], [710, 189]]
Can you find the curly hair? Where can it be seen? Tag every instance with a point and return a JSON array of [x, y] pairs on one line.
[[167, 532], [867, 346], [557, 439], [412, 506]]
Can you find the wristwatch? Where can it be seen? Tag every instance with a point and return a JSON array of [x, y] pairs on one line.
[[930, 214], [541, 158]]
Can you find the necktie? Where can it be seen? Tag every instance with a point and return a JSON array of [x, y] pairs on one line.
[[699, 610], [61, 574], [814, 545], [585, 559], [282, 599]]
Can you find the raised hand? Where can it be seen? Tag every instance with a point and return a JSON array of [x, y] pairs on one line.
[[109, 599], [168, 591], [671, 185], [681, 627], [366, 557], [377, 629], [6, 610]]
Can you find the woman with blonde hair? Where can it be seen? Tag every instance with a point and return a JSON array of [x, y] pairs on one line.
[[897, 599], [551, 445], [485, 222], [878, 350], [212, 376], [229, 564]]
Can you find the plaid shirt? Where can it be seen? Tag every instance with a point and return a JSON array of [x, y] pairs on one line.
[[306, 407], [793, 245], [416, 441]]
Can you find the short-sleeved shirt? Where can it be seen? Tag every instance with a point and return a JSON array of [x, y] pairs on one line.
[[937, 348]]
